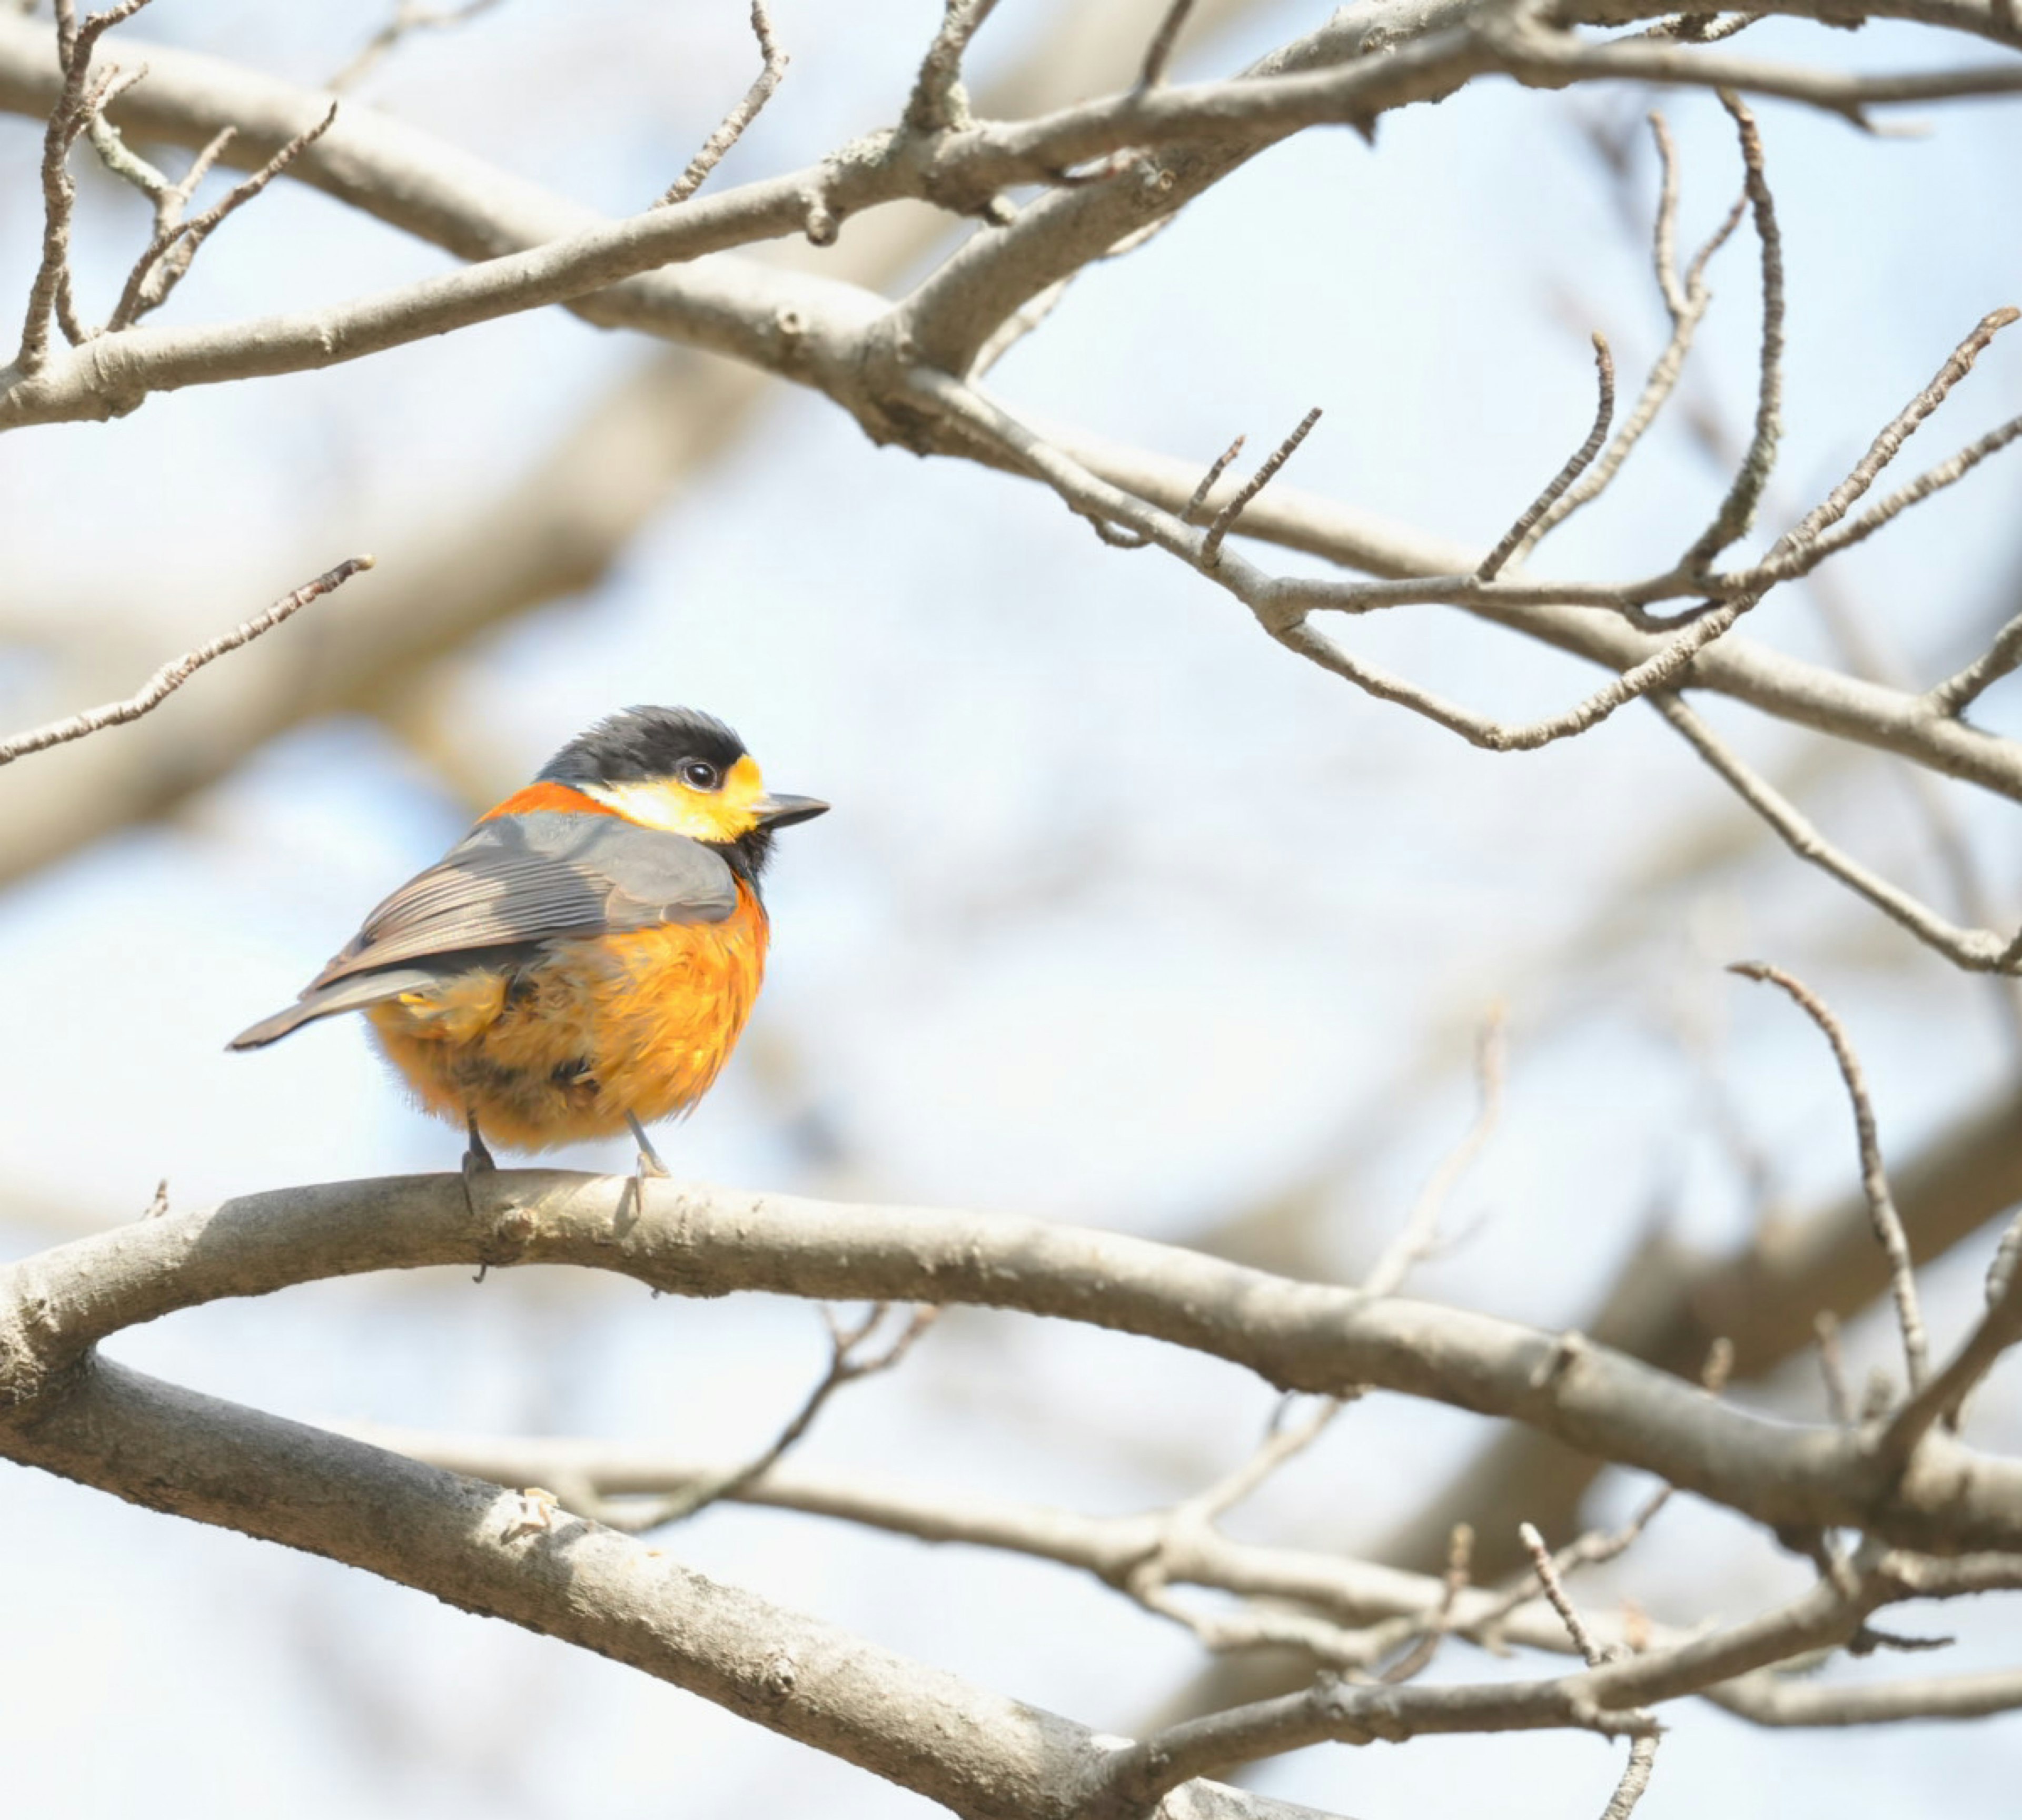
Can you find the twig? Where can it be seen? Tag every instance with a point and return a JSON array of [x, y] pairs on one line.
[[1492, 735], [1582, 459], [1214, 472], [1664, 230], [1874, 1179], [1460, 1557], [1805, 546], [1592, 1548], [1210, 555], [1554, 1589], [1685, 300], [1642, 1749], [1930, 481], [176, 242], [1737, 510], [740, 116], [1832, 1368], [408, 16], [171, 677], [1635, 1779], [938, 102], [1419, 1234], [1954, 695], [1701, 28], [1029, 316], [847, 1364], [49, 292], [1158, 53], [1944, 1398], [1979, 950]]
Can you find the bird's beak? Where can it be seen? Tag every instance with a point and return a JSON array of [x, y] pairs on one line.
[[784, 811]]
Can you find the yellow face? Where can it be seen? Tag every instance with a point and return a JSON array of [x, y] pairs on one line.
[[722, 811]]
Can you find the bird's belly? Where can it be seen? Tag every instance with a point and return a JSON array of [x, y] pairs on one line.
[[562, 1046]]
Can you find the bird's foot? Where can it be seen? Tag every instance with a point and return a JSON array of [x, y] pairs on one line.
[[649, 1163]]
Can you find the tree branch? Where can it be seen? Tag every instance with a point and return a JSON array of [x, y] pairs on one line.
[[505, 1555], [173, 675], [687, 1241]]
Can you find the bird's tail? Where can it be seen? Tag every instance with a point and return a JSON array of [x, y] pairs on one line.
[[347, 995]]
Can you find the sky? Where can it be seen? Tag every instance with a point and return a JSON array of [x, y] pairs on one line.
[[1124, 916]]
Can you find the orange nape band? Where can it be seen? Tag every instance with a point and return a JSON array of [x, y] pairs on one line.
[[559, 797]]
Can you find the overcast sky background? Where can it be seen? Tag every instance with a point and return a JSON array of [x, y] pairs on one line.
[[1124, 915]]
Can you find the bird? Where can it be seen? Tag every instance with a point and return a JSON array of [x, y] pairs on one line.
[[582, 962]]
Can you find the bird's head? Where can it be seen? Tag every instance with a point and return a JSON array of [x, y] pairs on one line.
[[683, 771]]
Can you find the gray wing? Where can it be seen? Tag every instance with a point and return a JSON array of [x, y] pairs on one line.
[[520, 878], [526, 878]]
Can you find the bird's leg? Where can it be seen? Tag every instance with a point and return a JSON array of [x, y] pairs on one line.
[[477, 1160], [649, 1158]]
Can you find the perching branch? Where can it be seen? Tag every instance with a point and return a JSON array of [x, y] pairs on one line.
[[1299, 1337]]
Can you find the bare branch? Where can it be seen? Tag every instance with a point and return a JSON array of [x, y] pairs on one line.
[[1944, 1398], [1555, 1591], [1956, 694], [1460, 1557], [78, 102], [1932, 480], [847, 1362], [1158, 53], [1980, 950], [1874, 1177], [688, 1240], [1737, 510], [1654, 672], [1582, 458], [176, 242], [772, 69], [1418, 1236], [1805, 545], [172, 676], [1635, 1779], [1591, 1549], [175, 674], [1217, 469], [1554, 1586], [939, 103], [1664, 232], [1686, 303], [959, 1745], [1210, 552], [409, 16]]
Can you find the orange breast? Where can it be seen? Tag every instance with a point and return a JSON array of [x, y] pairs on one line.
[[562, 1047]]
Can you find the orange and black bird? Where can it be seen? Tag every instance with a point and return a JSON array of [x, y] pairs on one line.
[[582, 961]]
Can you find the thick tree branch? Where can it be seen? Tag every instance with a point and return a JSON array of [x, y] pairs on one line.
[[731, 306], [687, 1241], [505, 1555]]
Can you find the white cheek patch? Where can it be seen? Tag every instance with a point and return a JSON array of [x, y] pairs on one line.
[[659, 806]]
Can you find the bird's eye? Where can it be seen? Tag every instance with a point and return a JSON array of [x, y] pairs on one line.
[[700, 774]]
